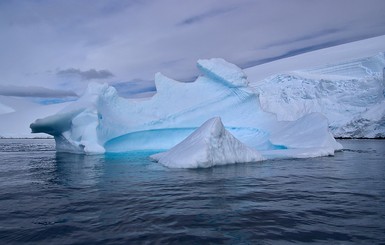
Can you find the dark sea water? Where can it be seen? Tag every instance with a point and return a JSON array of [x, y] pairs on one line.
[[51, 198]]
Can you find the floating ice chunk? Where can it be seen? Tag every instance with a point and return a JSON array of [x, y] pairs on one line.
[[210, 145], [310, 131]]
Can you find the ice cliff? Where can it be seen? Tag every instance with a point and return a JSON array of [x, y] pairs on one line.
[[101, 121], [350, 94]]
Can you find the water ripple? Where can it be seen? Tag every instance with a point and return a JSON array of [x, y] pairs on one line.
[[50, 198]]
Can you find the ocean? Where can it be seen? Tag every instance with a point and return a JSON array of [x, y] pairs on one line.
[[56, 198]]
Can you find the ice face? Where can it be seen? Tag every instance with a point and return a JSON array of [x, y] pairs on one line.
[[346, 93], [101, 121], [210, 145]]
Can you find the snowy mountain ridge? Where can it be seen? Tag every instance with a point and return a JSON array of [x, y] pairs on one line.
[[350, 94]]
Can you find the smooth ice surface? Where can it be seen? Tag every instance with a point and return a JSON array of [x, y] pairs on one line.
[[210, 145], [101, 121]]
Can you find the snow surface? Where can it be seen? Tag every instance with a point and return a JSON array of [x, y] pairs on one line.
[[4, 109], [19, 113], [210, 145], [350, 93], [101, 121]]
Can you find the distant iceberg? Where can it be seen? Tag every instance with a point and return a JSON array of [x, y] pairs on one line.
[[210, 145], [101, 121]]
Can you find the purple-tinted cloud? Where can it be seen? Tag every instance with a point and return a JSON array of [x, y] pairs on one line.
[[136, 39], [86, 75], [206, 16], [35, 91]]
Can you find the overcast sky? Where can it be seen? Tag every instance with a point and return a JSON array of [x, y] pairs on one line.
[[63, 45]]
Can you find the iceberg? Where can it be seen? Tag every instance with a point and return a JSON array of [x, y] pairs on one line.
[[101, 121], [210, 145]]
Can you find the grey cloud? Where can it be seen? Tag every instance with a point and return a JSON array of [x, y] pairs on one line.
[[86, 75], [201, 17], [296, 51], [306, 37], [134, 87], [136, 39], [290, 53], [35, 91]]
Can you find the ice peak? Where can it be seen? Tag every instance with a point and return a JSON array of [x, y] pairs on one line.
[[212, 129], [210, 145], [163, 83], [220, 70], [97, 89], [216, 127]]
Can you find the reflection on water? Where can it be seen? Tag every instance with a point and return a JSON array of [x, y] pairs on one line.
[[50, 198], [78, 170]]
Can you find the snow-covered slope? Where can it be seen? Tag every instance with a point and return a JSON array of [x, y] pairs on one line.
[[350, 93], [210, 145], [17, 113], [319, 58], [4, 109]]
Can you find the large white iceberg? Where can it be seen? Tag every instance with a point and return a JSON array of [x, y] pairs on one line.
[[210, 145], [101, 121]]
